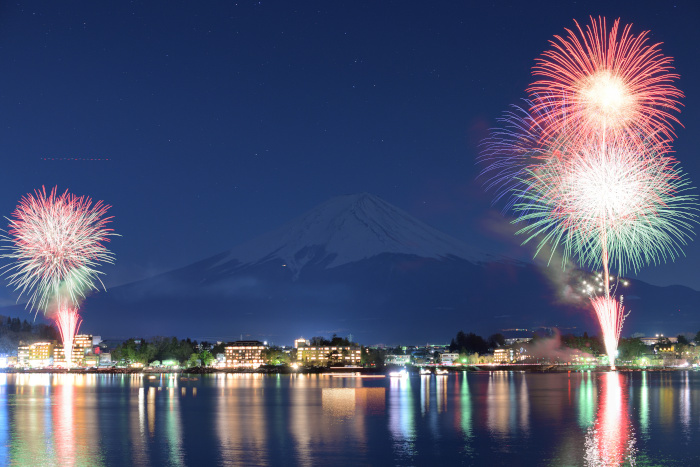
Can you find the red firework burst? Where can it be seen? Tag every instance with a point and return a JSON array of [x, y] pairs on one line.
[[57, 241], [597, 80], [588, 165]]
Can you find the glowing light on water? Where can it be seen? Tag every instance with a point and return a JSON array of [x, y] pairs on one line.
[[644, 404], [402, 423], [610, 442], [587, 401], [464, 414], [64, 428]]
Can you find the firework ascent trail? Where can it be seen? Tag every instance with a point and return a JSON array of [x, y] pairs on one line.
[[588, 167], [56, 242], [68, 322]]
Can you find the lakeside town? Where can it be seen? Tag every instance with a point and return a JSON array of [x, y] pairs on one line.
[[546, 347]]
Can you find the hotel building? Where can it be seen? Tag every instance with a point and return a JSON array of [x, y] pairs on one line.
[[333, 354], [23, 356], [82, 344], [41, 354], [244, 354], [301, 341], [503, 356]]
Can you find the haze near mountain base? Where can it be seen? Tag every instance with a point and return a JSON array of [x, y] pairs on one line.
[[357, 264]]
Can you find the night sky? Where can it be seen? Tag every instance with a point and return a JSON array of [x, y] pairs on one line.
[[213, 122]]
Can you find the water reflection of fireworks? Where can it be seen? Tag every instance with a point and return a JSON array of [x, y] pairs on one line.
[[610, 441], [588, 167]]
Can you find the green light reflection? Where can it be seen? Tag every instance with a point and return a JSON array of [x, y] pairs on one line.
[[465, 406], [644, 405], [586, 401]]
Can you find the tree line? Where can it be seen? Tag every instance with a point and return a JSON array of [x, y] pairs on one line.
[[15, 332], [629, 349], [471, 343], [161, 349]]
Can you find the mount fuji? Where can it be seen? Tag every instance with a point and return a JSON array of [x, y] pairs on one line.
[[358, 265], [348, 229]]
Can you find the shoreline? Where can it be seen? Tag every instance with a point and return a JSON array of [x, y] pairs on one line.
[[523, 368]]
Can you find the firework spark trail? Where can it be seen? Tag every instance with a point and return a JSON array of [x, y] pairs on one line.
[[68, 322], [635, 197], [57, 242], [594, 79], [616, 197], [588, 165], [614, 208], [610, 313], [611, 316], [611, 207], [509, 151], [636, 207]]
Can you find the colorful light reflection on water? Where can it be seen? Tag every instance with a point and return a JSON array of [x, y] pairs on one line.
[[489, 418], [610, 442]]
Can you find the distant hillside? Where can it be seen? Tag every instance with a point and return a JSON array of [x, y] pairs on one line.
[[356, 264], [14, 331]]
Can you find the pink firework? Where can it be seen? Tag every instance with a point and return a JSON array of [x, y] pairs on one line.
[[588, 165], [611, 315], [57, 241], [609, 207], [615, 208], [615, 199], [597, 80], [68, 322]]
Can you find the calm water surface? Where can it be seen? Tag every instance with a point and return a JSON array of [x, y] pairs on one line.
[[497, 418]]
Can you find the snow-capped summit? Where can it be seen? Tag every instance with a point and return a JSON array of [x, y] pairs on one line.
[[346, 229], [392, 284]]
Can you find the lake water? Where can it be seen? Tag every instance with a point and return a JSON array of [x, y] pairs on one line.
[[484, 418]]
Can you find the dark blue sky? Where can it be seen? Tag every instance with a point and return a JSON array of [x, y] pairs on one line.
[[222, 120]]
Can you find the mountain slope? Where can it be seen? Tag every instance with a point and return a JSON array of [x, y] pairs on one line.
[[357, 264], [346, 229]]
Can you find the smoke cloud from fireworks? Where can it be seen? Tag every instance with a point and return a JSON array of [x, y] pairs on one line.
[[587, 167]]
